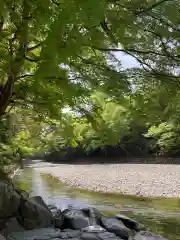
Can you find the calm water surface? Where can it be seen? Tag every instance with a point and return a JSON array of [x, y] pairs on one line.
[[160, 215]]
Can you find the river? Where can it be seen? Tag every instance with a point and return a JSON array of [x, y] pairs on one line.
[[160, 215]]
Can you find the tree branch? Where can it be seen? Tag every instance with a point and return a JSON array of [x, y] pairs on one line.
[[136, 51], [141, 10], [32, 60], [164, 47], [34, 47], [148, 67], [161, 20], [56, 3], [117, 3], [10, 108], [25, 75], [145, 10], [1, 24], [105, 27]]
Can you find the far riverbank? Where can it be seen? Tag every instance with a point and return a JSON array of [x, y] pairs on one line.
[[134, 179]]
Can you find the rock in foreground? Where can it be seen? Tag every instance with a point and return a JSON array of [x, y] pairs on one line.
[[33, 219]]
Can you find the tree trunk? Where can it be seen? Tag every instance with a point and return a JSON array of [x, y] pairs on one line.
[[17, 58], [6, 93]]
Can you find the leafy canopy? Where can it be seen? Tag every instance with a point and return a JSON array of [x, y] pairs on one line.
[[56, 53], [63, 54]]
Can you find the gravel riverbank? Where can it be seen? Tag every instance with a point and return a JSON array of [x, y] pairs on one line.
[[135, 179]]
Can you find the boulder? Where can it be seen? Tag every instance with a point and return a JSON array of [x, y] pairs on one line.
[[2, 237], [34, 213], [9, 202], [80, 218], [116, 226], [93, 214], [74, 219], [40, 201], [22, 193], [12, 225], [130, 223], [19, 213], [74, 224]]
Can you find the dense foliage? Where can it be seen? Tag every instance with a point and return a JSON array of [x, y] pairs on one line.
[[59, 55]]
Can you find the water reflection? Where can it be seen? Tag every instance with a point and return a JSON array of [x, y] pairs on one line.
[[39, 186], [161, 215]]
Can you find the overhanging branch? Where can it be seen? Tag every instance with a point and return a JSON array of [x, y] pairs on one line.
[[34, 47], [56, 3], [1, 24], [32, 60], [136, 51], [145, 10], [144, 65], [25, 75], [164, 22]]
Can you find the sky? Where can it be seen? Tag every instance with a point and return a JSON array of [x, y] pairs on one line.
[[126, 60]]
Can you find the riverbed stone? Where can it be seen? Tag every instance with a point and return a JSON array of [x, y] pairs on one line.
[[108, 236], [67, 234], [9, 202], [97, 233], [93, 214], [89, 236], [130, 223], [70, 233], [36, 234], [94, 229], [34, 213], [116, 226], [58, 219], [52, 207]]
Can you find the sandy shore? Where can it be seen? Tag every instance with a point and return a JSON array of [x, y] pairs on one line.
[[136, 179]]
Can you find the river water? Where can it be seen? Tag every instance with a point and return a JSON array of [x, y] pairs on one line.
[[160, 215]]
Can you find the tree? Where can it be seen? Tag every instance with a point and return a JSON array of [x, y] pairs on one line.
[[55, 53], [63, 54], [21, 135]]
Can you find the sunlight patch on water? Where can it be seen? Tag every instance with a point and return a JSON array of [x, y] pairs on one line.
[[38, 186]]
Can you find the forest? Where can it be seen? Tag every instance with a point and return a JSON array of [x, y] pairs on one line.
[[65, 88]]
